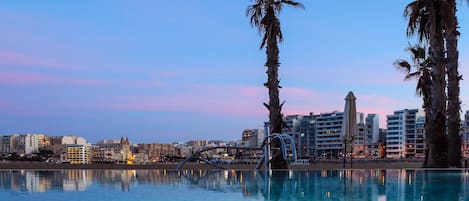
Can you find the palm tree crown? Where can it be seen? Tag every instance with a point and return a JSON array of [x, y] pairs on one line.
[[263, 14]]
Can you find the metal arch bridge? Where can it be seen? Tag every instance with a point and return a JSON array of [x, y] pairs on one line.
[[287, 147]]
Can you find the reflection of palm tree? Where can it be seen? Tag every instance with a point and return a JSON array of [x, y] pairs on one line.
[[421, 64], [263, 16]]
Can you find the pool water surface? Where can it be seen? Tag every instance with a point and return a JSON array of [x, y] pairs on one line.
[[194, 185]]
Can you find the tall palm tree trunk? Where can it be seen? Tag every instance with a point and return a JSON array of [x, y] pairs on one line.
[[272, 84], [454, 107], [427, 106], [437, 156]]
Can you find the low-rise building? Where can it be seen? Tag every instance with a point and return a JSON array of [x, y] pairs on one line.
[[113, 151], [151, 153]]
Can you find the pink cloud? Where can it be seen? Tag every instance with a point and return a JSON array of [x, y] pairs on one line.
[[245, 100], [8, 58], [16, 78], [251, 91], [378, 100], [346, 75], [182, 103], [144, 83]]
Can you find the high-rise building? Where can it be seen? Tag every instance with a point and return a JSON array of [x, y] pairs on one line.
[[372, 124], [302, 129], [329, 134], [405, 137], [322, 135]]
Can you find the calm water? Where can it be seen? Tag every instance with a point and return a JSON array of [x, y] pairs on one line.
[[156, 185]]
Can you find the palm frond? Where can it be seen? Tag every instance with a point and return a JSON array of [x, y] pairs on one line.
[[418, 52], [402, 65], [293, 3], [255, 14], [413, 75], [417, 14]]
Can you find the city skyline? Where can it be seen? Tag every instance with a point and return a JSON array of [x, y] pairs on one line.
[[159, 71]]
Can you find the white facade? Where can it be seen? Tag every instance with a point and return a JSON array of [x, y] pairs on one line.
[[73, 140], [405, 137], [76, 154], [372, 123], [256, 139], [329, 134], [29, 143]]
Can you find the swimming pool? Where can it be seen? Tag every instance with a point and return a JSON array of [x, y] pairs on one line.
[[193, 185]]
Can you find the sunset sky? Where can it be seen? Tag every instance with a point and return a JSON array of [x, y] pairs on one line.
[[163, 71]]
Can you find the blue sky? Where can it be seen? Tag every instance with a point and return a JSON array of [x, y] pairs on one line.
[[163, 71]]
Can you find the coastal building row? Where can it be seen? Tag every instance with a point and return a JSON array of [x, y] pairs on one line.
[[320, 136], [25, 144], [76, 150]]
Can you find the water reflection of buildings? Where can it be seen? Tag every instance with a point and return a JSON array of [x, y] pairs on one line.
[[379, 185], [42, 181]]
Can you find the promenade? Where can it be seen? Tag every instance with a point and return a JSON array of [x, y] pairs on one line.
[[317, 165]]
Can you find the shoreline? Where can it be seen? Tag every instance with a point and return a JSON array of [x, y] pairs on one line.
[[317, 165]]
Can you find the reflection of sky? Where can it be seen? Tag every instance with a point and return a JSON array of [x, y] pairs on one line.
[[193, 185]]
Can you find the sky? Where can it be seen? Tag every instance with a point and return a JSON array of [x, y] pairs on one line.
[[164, 71]]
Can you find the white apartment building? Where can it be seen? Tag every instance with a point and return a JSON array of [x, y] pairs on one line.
[[252, 137], [372, 123], [405, 136], [73, 140], [29, 143], [329, 134], [77, 154]]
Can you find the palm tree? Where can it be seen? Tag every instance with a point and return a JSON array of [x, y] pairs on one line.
[[450, 22], [421, 64], [263, 16], [425, 22]]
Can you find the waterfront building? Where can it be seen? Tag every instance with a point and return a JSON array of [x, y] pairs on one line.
[[465, 135], [56, 144], [372, 124], [184, 149], [76, 154], [29, 143], [113, 151], [252, 137], [329, 136], [151, 153], [8, 144], [302, 129], [198, 143], [405, 134], [360, 141]]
